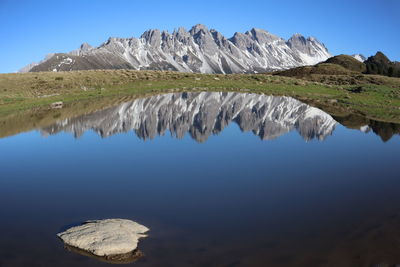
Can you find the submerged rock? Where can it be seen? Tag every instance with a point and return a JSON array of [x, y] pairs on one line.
[[108, 238], [125, 258]]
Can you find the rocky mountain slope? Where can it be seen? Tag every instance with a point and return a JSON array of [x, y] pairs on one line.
[[203, 114], [197, 50]]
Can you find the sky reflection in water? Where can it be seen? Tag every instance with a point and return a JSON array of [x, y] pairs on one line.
[[213, 196]]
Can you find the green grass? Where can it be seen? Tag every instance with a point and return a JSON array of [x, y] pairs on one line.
[[29, 95]]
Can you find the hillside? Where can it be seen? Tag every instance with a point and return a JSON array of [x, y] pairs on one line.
[[380, 64], [347, 62], [344, 70]]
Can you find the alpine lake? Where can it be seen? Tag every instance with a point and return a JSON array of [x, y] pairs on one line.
[[219, 178]]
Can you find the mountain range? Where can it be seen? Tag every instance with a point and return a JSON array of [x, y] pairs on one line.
[[201, 115], [197, 50]]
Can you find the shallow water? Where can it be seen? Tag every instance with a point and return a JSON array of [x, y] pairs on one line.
[[219, 178]]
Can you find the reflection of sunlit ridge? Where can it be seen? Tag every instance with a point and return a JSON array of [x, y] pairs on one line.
[[365, 128], [203, 114]]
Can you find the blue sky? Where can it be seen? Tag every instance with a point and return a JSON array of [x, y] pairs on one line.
[[29, 29]]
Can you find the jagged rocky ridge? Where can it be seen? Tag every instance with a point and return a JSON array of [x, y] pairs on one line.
[[197, 50], [203, 114]]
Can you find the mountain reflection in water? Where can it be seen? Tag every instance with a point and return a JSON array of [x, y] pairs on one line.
[[202, 114]]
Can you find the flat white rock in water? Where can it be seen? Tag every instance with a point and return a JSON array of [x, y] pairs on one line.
[[105, 237]]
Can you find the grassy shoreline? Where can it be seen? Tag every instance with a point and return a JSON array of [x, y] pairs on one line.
[[21, 92]]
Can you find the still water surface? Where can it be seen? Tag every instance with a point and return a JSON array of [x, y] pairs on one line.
[[221, 179]]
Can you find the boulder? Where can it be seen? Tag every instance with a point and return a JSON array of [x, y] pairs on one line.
[[104, 238], [56, 105]]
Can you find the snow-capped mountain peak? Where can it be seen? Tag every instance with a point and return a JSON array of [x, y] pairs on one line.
[[198, 50]]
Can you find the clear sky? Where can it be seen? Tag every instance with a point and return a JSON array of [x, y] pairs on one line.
[[30, 29]]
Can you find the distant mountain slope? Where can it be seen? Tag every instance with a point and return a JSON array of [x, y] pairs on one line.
[[28, 67], [197, 50]]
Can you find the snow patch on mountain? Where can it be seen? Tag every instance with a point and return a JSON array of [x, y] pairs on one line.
[[359, 57]]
